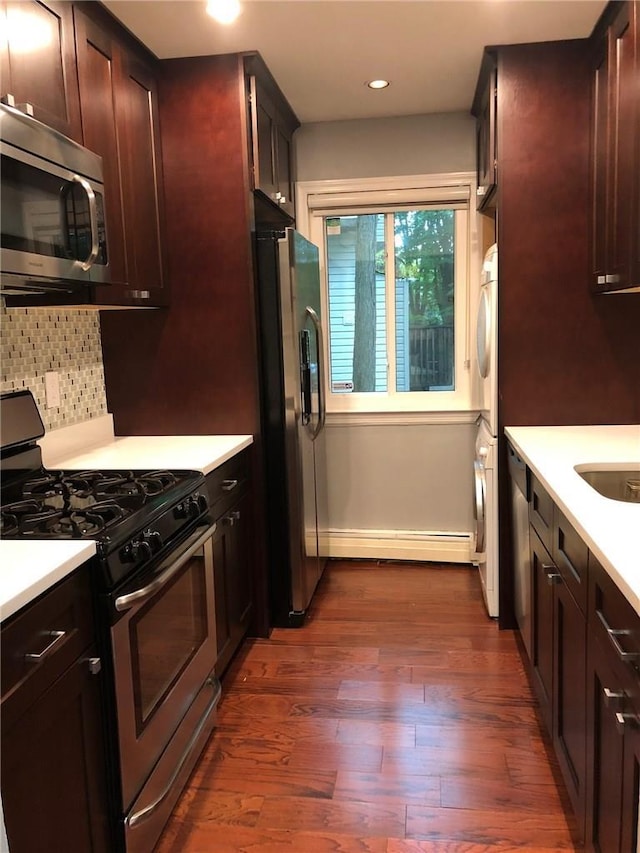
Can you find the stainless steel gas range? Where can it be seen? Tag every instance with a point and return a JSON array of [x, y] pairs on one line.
[[155, 606]]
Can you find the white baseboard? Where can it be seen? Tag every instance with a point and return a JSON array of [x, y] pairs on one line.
[[398, 545]]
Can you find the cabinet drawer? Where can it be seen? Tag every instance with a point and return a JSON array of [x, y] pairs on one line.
[[571, 555], [43, 640], [541, 512], [226, 483], [612, 620]]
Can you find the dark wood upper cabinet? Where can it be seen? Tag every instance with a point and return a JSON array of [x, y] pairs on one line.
[[118, 97], [615, 161], [140, 165], [272, 125], [96, 51], [485, 111], [44, 76]]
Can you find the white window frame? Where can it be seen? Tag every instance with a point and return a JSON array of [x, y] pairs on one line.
[[317, 199]]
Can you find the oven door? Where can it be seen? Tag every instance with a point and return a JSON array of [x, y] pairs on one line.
[[164, 653]]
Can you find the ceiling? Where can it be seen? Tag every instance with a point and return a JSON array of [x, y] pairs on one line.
[[322, 52]]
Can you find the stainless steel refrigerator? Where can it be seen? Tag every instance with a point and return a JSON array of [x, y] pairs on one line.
[[293, 419]]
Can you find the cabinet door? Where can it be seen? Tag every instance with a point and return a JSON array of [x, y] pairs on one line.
[[285, 178], [234, 597], [139, 147], [631, 783], [53, 770], [615, 191], [44, 75], [569, 698], [599, 161], [544, 573], [622, 175], [263, 142], [605, 753], [95, 51], [486, 138]]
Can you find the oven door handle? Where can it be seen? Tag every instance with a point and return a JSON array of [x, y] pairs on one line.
[[174, 564]]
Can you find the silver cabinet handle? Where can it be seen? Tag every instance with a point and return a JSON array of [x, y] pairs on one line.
[[613, 698], [56, 639], [622, 720], [229, 485], [146, 812], [93, 222], [174, 564], [614, 633], [601, 279], [232, 517], [553, 577], [611, 279]]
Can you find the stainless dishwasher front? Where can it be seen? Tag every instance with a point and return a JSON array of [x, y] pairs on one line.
[[520, 543]]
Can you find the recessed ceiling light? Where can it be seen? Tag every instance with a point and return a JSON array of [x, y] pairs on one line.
[[378, 84], [224, 11]]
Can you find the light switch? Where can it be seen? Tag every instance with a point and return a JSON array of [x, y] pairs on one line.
[[52, 389]]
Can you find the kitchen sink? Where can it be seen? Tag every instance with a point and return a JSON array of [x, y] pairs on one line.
[[621, 484]]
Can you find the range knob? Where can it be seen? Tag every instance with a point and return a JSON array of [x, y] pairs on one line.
[[191, 507], [140, 551], [153, 539]]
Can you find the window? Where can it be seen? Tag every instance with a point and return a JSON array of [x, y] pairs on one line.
[[396, 298]]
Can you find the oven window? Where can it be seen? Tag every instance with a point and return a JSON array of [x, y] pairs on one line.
[[166, 634]]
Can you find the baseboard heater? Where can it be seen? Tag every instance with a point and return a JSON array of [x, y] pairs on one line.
[[428, 546]]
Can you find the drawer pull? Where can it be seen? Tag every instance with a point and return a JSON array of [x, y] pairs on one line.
[[614, 633], [552, 573], [229, 485], [56, 639], [232, 517], [613, 698], [623, 719]]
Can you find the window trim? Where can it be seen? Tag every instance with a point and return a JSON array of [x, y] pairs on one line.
[[392, 192]]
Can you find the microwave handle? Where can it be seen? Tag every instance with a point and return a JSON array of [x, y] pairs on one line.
[[93, 222]]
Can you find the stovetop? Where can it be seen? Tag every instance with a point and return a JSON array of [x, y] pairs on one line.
[[83, 504], [133, 516]]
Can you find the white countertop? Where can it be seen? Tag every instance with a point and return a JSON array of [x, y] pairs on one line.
[[610, 528], [105, 450], [30, 568]]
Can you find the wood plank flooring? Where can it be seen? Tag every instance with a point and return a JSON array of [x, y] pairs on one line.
[[398, 720]]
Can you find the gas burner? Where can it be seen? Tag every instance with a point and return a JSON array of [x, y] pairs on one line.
[[11, 516], [72, 524], [47, 489]]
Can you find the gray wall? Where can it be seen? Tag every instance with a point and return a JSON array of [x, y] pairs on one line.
[[369, 148], [402, 477]]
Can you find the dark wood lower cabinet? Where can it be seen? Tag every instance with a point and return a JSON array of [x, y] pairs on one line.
[[53, 758], [559, 669], [53, 773], [542, 619], [234, 599], [569, 712], [231, 499]]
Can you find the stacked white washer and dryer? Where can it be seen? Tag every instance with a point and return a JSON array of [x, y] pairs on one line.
[[485, 466]]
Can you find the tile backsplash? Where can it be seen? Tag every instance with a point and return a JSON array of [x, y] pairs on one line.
[[33, 342]]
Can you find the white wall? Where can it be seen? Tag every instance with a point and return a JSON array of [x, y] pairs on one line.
[[373, 148], [392, 486]]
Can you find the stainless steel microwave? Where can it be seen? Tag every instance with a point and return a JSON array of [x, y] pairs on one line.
[[52, 216]]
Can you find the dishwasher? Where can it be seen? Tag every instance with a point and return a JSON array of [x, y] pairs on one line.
[[521, 556]]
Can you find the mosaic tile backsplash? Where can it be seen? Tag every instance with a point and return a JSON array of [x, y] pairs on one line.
[[33, 342]]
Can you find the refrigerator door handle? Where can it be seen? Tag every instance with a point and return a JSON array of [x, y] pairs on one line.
[[322, 411], [305, 377]]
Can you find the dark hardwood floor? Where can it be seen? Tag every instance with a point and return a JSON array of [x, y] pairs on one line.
[[398, 720]]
